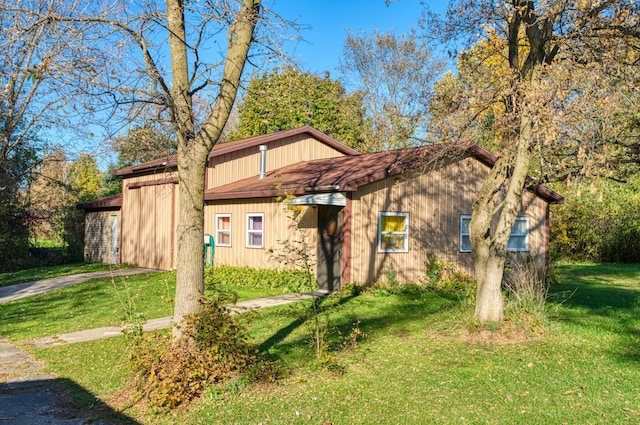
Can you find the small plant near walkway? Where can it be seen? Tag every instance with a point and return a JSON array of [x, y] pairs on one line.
[[215, 349], [283, 281]]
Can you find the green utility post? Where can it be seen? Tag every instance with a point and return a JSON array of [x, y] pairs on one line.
[[209, 244]]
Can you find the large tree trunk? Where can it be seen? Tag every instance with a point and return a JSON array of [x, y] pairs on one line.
[[501, 196], [190, 231], [193, 149]]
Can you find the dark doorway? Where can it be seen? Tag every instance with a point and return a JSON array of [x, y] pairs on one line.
[[329, 247]]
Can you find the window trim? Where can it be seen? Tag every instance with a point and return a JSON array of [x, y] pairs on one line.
[[520, 218], [218, 230], [253, 231], [405, 232]]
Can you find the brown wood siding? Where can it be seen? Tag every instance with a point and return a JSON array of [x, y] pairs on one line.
[[246, 163], [148, 233], [97, 236], [434, 200], [278, 228]]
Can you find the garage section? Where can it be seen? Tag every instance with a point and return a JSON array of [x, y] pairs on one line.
[[148, 232]]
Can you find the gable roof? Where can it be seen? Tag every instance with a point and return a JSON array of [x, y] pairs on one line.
[[348, 173], [170, 162]]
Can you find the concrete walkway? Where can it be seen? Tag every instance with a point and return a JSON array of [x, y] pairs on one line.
[[165, 322], [28, 289]]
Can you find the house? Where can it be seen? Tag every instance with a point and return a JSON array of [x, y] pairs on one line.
[[361, 215]]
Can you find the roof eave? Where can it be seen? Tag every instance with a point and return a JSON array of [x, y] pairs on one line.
[[108, 203]]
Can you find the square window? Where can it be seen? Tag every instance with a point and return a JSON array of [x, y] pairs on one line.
[[223, 229], [255, 230], [393, 232]]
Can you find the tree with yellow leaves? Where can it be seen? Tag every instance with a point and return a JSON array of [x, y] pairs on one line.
[[528, 91]]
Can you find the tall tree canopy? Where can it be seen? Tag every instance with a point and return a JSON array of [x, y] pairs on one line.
[[395, 76], [288, 98], [537, 42], [58, 186]]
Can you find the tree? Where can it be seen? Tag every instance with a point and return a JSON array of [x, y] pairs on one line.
[[57, 187], [32, 58], [288, 98], [129, 78], [143, 143], [194, 147], [540, 39], [395, 76]]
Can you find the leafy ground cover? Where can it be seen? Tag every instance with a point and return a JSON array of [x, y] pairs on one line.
[[417, 363], [37, 273]]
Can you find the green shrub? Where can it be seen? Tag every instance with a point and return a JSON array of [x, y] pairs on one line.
[[247, 277], [598, 222]]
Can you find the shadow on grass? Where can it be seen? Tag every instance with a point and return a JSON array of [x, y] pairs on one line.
[[373, 315], [302, 317], [55, 401], [605, 298]]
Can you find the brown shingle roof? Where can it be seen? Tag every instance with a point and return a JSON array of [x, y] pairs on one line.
[[167, 163], [348, 173]]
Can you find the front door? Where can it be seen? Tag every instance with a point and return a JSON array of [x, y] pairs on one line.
[[329, 247]]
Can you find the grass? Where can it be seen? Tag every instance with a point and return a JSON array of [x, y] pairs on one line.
[[45, 243], [37, 273], [415, 366], [96, 303]]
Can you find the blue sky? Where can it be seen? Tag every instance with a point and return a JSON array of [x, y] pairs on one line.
[[323, 42]]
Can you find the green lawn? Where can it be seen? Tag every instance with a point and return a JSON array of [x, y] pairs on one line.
[[414, 367], [97, 303]]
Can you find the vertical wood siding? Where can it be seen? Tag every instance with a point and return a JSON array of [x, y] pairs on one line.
[[97, 236], [149, 225], [278, 229], [434, 200], [243, 164]]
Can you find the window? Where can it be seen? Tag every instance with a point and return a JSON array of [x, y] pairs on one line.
[[465, 242], [393, 232], [518, 240], [223, 229], [255, 230]]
